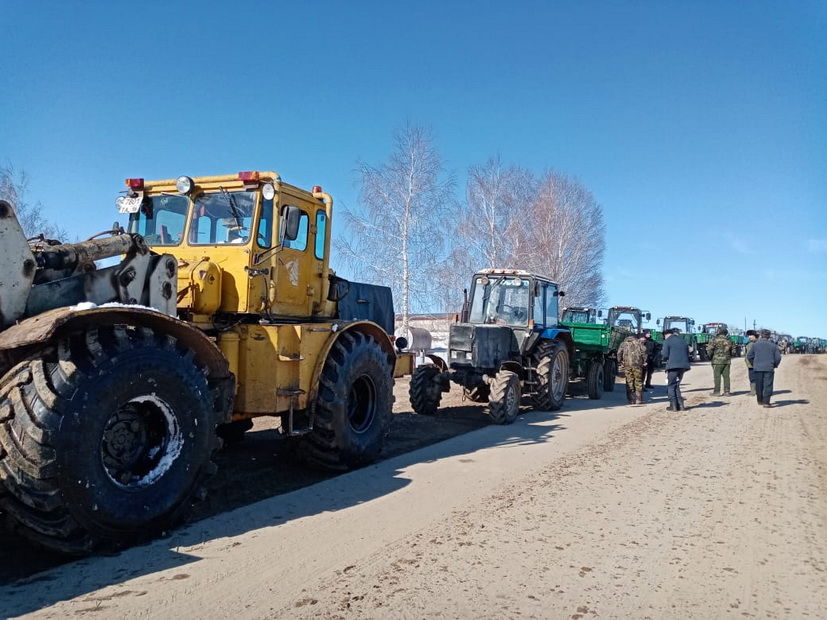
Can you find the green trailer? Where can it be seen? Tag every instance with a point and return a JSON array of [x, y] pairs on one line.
[[596, 343]]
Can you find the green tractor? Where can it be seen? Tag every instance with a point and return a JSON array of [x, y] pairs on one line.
[[595, 349], [508, 343], [686, 326]]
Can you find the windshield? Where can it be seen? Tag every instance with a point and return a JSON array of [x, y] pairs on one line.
[[500, 301], [630, 319], [576, 316], [221, 217], [161, 219], [681, 324]]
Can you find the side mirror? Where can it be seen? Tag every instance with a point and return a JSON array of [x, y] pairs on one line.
[[289, 229], [600, 314], [559, 293], [657, 322], [648, 316]]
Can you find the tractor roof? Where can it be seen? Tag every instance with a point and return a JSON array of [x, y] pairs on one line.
[[625, 308], [513, 272]]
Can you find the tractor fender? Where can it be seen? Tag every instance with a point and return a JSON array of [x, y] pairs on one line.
[[30, 334], [438, 362], [365, 327], [564, 335]]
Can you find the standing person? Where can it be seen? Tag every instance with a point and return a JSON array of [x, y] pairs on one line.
[[651, 351], [720, 352], [752, 335], [765, 358], [632, 356], [675, 353]]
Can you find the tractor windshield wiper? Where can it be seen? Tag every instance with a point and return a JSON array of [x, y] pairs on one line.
[[233, 207]]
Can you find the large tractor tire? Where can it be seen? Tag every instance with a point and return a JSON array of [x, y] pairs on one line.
[[595, 380], [551, 359], [609, 375], [477, 394], [504, 400], [105, 439], [425, 393], [354, 405]]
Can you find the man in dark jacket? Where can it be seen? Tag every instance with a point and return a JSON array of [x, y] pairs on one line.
[[651, 351], [675, 353], [765, 358]]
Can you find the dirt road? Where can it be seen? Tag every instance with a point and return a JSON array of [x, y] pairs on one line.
[[608, 511]]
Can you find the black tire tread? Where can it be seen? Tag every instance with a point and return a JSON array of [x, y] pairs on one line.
[[33, 399], [543, 358], [425, 394], [497, 409]]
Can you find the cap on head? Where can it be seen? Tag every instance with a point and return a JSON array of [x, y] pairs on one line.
[[765, 333], [752, 332], [675, 330], [723, 331]]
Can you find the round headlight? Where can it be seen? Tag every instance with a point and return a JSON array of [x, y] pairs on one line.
[[268, 191], [184, 184]]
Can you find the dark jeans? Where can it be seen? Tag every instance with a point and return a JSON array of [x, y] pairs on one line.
[[673, 386], [751, 375], [763, 386], [650, 369]]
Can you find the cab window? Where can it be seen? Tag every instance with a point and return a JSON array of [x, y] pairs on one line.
[[539, 319], [321, 232], [300, 242], [220, 218], [551, 305], [264, 237]]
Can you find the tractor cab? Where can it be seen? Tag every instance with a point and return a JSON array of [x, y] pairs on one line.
[[245, 243], [627, 318], [683, 323], [581, 316], [505, 309]]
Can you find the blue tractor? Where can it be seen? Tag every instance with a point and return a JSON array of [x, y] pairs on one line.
[[508, 343]]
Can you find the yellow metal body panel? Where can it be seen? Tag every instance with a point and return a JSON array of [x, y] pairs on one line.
[[252, 278], [277, 362]]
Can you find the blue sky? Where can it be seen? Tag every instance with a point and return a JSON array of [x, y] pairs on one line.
[[700, 127]]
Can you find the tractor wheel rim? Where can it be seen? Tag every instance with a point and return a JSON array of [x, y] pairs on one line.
[[557, 377], [361, 404], [140, 442]]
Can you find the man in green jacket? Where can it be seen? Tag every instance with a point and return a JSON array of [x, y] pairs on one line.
[[752, 335], [720, 352]]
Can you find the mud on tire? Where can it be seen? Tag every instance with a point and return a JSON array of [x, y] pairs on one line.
[[551, 360], [477, 394], [105, 439], [354, 405]]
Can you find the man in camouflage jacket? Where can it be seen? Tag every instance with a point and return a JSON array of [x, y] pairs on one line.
[[632, 359], [720, 352]]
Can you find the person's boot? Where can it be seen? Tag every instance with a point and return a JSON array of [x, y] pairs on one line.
[[640, 397], [630, 395], [726, 392], [752, 389], [672, 405], [767, 404], [716, 393]]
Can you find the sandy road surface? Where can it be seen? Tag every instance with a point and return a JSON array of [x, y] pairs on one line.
[[601, 511]]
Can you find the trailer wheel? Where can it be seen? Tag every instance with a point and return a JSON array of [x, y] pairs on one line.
[[595, 380], [504, 400], [425, 393], [478, 394], [105, 439], [609, 375], [551, 359], [353, 408]]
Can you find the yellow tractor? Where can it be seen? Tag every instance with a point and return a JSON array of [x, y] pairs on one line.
[[116, 382]]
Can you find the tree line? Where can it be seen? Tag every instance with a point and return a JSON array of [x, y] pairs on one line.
[[411, 233]]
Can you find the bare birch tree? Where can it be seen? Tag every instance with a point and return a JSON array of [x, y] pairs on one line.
[[397, 236], [563, 237], [14, 188], [497, 197]]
